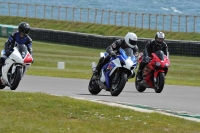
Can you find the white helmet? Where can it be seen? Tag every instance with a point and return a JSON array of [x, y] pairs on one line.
[[131, 39]]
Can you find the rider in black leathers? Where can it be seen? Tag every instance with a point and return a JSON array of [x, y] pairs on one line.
[[130, 40], [151, 47]]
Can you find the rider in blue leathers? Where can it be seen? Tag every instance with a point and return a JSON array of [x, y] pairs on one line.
[[21, 37]]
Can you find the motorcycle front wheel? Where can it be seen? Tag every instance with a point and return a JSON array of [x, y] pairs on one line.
[[159, 85], [15, 78], [116, 88]]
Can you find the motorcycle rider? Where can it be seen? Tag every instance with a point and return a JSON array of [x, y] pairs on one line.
[[130, 40], [21, 37], [151, 47]]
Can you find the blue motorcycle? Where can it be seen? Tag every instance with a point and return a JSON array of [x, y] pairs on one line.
[[115, 73]]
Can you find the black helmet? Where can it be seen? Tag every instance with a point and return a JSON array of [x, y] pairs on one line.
[[159, 38], [24, 28]]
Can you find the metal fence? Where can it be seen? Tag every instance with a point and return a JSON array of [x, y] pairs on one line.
[[164, 22]]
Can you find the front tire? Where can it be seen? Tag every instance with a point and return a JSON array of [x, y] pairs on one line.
[[117, 88], [15, 78], [93, 87], [160, 83]]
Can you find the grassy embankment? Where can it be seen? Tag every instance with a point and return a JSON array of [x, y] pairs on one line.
[[28, 112]]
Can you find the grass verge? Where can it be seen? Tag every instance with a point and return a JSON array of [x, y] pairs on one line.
[[37, 112]]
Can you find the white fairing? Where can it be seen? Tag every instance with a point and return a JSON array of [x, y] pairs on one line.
[[129, 63], [102, 54], [102, 79], [15, 59], [15, 55], [5, 68]]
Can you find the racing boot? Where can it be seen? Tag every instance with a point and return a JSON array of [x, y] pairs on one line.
[[139, 75]]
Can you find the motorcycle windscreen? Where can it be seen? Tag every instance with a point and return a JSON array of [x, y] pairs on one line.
[[25, 54], [160, 54], [127, 52]]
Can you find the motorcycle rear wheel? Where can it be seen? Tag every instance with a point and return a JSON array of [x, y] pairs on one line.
[[139, 87], [93, 87], [160, 83]]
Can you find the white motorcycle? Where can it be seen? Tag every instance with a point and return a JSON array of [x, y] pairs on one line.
[[15, 66]]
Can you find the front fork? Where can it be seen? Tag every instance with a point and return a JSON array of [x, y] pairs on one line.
[[156, 72], [116, 76]]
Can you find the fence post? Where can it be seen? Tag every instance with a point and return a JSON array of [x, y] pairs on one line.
[[73, 14], [52, 12], [156, 21], [194, 23], [66, 12], [109, 17], [45, 11], [88, 15], [149, 21], [58, 12], [9, 8], [135, 19], [129, 19], [95, 15], [35, 10], [142, 20], [80, 14], [179, 22], [18, 9], [171, 22], [115, 17], [163, 26], [122, 19], [102, 16], [186, 23]]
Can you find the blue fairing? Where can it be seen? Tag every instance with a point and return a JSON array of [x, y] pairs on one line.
[[124, 54], [107, 69]]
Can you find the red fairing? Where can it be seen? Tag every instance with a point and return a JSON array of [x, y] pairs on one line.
[[28, 58], [155, 66]]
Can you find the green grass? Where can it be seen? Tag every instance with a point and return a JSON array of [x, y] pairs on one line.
[[42, 113], [107, 30]]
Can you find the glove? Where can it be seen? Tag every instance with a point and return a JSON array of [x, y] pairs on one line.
[[113, 54], [146, 59], [7, 52]]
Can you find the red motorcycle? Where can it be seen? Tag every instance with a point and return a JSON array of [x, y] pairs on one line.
[[153, 73]]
